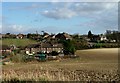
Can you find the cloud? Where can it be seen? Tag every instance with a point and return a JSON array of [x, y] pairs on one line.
[[101, 22], [17, 28], [30, 7], [13, 28], [94, 8], [0, 28], [61, 0], [62, 13], [102, 16], [68, 10], [58, 29]]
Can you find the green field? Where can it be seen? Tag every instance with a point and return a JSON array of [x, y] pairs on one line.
[[92, 65], [17, 42]]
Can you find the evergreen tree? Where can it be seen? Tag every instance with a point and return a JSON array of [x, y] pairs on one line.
[[90, 35]]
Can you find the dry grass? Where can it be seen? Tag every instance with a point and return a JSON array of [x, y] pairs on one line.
[[39, 74], [92, 65]]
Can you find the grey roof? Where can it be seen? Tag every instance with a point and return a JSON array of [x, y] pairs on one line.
[[45, 45]]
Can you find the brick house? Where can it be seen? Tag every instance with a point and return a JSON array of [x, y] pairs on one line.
[[63, 36], [44, 47], [20, 36]]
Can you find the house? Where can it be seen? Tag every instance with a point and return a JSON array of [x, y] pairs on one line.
[[63, 36], [51, 37], [32, 48], [44, 47], [7, 35], [45, 35], [20, 36], [103, 38], [12, 35], [48, 48], [94, 38]]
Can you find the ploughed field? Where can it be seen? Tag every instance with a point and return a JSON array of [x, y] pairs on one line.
[[91, 65]]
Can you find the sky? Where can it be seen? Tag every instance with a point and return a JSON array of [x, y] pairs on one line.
[[55, 17]]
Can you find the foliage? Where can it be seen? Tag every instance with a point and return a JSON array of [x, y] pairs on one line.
[[34, 36], [105, 45], [90, 35], [54, 53], [8, 35], [5, 54], [16, 51], [76, 36], [18, 58], [80, 43], [114, 36], [69, 47]]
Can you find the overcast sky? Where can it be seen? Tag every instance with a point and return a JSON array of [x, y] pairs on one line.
[[55, 17]]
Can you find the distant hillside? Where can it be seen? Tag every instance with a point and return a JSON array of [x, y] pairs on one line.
[[17, 42]]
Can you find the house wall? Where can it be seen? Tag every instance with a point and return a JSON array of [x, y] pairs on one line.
[[44, 50]]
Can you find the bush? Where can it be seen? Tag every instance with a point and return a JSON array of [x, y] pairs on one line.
[[16, 51], [18, 58], [54, 53], [105, 45]]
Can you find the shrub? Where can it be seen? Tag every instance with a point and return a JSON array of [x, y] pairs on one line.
[[54, 53], [18, 58]]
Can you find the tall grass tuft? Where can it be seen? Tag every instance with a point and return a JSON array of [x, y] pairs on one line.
[[57, 75]]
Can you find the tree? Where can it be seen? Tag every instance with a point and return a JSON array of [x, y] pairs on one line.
[[80, 43], [90, 35], [29, 35], [69, 47], [113, 36], [76, 36], [7, 33]]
